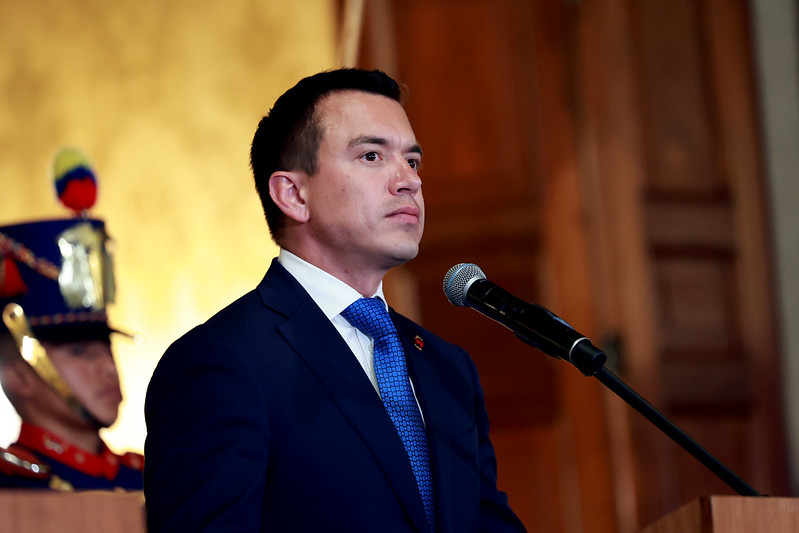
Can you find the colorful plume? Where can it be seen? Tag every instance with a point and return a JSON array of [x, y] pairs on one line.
[[75, 182]]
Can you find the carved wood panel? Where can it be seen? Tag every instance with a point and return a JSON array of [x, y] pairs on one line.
[[680, 155], [600, 157]]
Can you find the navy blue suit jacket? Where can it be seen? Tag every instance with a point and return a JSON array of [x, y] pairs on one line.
[[261, 419]]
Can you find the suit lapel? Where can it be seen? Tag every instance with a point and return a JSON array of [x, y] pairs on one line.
[[323, 350]]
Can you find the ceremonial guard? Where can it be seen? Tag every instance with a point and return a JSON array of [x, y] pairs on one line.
[[56, 365]]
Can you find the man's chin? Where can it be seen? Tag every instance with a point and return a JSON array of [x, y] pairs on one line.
[[403, 254], [103, 420]]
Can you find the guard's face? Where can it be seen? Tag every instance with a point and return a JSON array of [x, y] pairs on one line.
[[365, 201], [88, 368]]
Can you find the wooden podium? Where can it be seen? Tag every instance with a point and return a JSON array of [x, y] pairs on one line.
[[731, 514], [30, 511]]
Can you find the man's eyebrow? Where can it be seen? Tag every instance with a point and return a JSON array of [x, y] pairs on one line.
[[380, 141], [368, 139]]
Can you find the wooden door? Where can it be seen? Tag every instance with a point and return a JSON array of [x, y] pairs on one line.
[[600, 158], [673, 166]]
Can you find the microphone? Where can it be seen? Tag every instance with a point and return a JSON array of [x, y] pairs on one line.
[[466, 285]]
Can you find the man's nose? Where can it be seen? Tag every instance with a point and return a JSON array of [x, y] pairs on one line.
[[107, 364], [406, 180]]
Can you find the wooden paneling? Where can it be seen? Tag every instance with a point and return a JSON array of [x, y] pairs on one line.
[[473, 121], [675, 98], [694, 190], [600, 158]]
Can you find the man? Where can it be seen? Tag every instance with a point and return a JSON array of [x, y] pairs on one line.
[[56, 365], [281, 413]]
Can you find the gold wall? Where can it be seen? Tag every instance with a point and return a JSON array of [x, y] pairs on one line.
[[164, 98]]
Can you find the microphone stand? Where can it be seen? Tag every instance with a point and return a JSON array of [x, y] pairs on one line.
[[590, 361], [466, 285]]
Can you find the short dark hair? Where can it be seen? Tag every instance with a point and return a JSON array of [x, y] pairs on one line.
[[288, 137]]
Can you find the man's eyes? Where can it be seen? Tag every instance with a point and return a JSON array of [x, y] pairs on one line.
[[374, 156]]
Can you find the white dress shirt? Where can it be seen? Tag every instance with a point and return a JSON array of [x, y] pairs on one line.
[[333, 296]]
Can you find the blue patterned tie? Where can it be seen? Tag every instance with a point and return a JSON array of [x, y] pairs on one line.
[[370, 316]]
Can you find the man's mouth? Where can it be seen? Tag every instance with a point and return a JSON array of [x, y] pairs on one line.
[[407, 213]]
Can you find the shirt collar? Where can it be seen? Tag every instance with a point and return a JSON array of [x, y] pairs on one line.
[[328, 292]]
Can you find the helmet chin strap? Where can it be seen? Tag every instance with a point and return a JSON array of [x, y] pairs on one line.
[[34, 354]]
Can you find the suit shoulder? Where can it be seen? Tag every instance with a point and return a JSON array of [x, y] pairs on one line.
[[230, 337], [236, 314], [232, 319]]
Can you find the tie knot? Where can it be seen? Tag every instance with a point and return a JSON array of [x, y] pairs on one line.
[[370, 316]]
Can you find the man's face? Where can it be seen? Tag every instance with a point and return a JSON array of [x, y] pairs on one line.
[[89, 370], [365, 202]]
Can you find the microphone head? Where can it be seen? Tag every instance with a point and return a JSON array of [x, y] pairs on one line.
[[457, 281]]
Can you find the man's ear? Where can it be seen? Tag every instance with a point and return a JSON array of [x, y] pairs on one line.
[[18, 379], [287, 191]]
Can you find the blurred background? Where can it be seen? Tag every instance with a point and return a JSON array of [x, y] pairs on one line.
[[629, 164]]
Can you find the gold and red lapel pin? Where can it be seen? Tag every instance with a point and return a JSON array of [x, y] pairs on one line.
[[419, 343]]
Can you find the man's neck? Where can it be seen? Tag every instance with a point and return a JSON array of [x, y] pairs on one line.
[[364, 280]]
